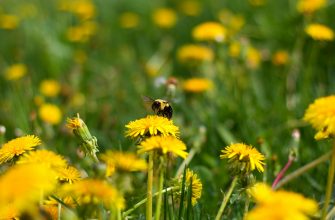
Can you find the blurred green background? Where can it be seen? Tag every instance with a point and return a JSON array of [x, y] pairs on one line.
[[103, 56]]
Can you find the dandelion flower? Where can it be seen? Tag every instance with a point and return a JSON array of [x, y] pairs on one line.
[[15, 71], [194, 54], [83, 32], [280, 58], [234, 49], [24, 184], [280, 205], [243, 158], [8, 21], [43, 158], [164, 17], [83, 9], [151, 125], [75, 123], [209, 31], [196, 185], [50, 114], [310, 6], [68, 174], [320, 32], [17, 147], [164, 145], [129, 20], [253, 57], [90, 191], [50, 88], [197, 85], [190, 7], [123, 161], [321, 115]]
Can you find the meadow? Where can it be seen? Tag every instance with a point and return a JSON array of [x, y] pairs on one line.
[[185, 109]]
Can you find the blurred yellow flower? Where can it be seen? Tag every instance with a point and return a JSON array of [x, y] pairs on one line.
[[38, 100], [151, 125], [320, 32], [24, 184], [234, 49], [196, 185], [209, 31], [123, 161], [163, 145], [197, 85], [68, 174], [232, 21], [280, 58], [243, 158], [257, 2], [190, 7], [164, 17], [280, 205], [77, 99], [15, 71], [84, 9], [50, 113], [51, 210], [90, 191], [83, 32], [45, 158], [8, 21], [129, 20], [310, 6], [253, 57], [321, 115], [18, 146], [50, 87], [194, 54]]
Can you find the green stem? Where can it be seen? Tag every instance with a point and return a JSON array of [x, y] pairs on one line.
[[186, 161], [59, 211], [159, 197], [129, 211], [226, 198], [149, 186], [330, 181], [246, 205], [303, 170]]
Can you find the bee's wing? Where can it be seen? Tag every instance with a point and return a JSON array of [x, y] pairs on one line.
[[147, 101]]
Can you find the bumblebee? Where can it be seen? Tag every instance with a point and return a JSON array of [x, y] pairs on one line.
[[161, 107]]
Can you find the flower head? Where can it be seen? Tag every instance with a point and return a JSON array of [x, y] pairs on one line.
[[43, 158], [82, 32], [280, 58], [163, 145], [192, 177], [68, 174], [190, 7], [50, 114], [194, 54], [151, 125], [197, 85], [243, 158], [83, 9], [15, 71], [23, 184], [17, 147], [164, 17], [321, 115], [90, 191], [9, 21], [320, 32], [50, 88], [253, 57], [123, 161], [75, 123], [280, 205], [209, 31], [129, 20], [310, 6]]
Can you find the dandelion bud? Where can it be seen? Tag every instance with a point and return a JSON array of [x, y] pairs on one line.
[[88, 143]]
